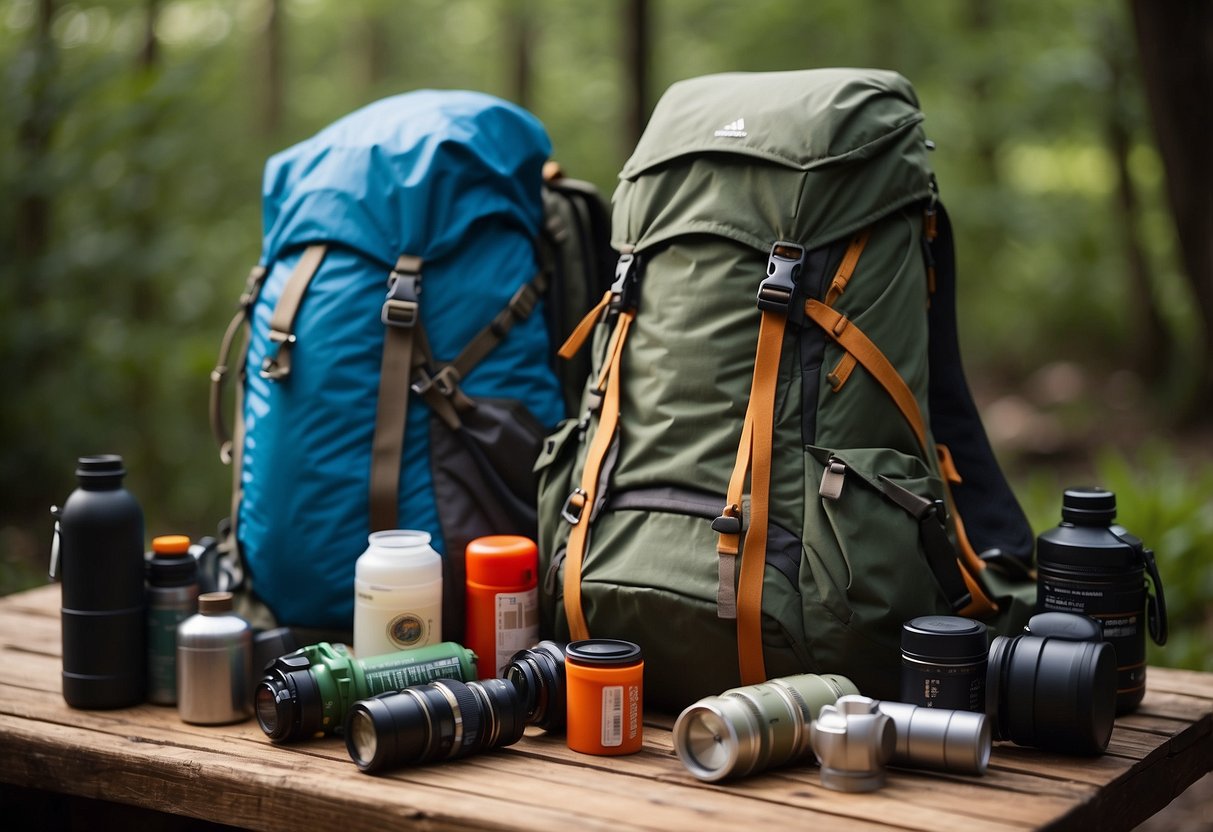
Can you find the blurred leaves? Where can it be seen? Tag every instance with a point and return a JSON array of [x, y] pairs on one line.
[[149, 171]]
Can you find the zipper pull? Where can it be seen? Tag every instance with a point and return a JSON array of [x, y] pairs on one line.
[[549, 580], [832, 479]]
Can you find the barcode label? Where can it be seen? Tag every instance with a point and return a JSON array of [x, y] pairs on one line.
[[612, 715], [517, 624]]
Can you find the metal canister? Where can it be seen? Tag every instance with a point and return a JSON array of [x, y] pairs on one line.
[[214, 663]]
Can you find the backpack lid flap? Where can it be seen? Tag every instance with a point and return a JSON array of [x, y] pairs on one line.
[[407, 174], [808, 155]]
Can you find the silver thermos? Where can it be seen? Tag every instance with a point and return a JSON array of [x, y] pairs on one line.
[[214, 663]]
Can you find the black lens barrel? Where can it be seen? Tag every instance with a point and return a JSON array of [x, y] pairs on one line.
[[538, 674], [441, 720], [288, 702], [1050, 692]]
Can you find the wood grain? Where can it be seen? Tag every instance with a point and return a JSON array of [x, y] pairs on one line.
[[147, 757]]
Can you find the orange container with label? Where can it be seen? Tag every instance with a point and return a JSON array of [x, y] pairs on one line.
[[502, 600], [605, 689]]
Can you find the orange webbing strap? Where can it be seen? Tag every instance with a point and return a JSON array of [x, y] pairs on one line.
[[572, 344], [582, 499], [729, 542], [841, 372], [852, 339], [847, 267], [970, 563], [761, 415], [401, 317]]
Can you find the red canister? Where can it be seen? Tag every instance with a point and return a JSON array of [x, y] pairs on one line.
[[502, 600]]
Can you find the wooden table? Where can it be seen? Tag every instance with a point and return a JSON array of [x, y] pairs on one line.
[[147, 757]]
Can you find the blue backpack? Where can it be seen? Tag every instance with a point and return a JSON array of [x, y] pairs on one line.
[[416, 271]]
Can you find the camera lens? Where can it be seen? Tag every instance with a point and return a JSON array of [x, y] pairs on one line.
[[287, 701], [1048, 691], [440, 720], [538, 674], [752, 728]]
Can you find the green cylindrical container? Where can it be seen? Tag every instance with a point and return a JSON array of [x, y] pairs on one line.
[[307, 693]]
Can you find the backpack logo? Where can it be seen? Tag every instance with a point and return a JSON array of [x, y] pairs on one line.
[[732, 130]]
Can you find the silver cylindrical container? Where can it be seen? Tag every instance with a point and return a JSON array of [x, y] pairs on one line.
[[752, 728], [939, 738], [214, 663]]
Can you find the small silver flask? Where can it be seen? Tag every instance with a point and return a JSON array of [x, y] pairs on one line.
[[214, 663]]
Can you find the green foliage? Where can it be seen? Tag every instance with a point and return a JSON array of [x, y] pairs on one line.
[[1165, 498], [149, 171]]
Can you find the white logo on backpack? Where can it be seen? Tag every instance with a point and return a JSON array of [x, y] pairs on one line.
[[732, 130]]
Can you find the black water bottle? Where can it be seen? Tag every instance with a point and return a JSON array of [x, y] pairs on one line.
[[98, 557], [1090, 566]]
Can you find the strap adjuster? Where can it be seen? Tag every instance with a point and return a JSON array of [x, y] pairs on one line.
[[783, 269], [729, 521], [624, 290], [575, 502], [400, 308], [277, 365]]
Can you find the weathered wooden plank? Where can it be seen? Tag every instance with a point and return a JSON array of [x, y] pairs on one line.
[[1176, 680]]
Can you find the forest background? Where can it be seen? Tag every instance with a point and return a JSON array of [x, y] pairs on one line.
[[1073, 151]]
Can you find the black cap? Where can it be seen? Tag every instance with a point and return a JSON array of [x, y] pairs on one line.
[[947, 638], [603, 651], [100, 465], [1088, 506]]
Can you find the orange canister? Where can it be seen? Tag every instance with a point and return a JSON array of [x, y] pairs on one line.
[[605, 690], [502, 600]]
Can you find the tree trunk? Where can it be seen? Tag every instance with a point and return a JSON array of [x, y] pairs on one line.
[[270, 49], [1175, 44], [518, 24], [1150, 344], [33, 221], [636, 64]]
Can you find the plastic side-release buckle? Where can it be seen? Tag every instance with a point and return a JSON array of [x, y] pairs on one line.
[[625, 289], [401, 308], [783, 270]]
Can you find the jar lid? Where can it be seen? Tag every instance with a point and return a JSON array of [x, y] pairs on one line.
[[502, 560], [944, 637], [1088, 506], [214, 602], [603, 652]]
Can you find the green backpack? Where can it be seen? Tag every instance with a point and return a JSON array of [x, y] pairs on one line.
[[776, 439]]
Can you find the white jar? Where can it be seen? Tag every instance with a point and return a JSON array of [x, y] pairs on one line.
[[397, 594]]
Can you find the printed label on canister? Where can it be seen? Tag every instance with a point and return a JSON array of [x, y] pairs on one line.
[[407, 630], [398, 677], [517, 619], [612, 716]]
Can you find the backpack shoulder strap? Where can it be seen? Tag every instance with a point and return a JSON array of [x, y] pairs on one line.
[[993, 519], [401, 316]]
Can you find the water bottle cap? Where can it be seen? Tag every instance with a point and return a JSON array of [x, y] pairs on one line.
[[1088, 506], [100, 465], [503, 560], [171, 544], [214, 602]]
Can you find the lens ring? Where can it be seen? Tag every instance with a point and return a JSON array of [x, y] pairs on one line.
[[465, 714]]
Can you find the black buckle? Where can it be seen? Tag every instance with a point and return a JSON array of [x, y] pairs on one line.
[[783, 270], [626, 287], [400, 308]]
